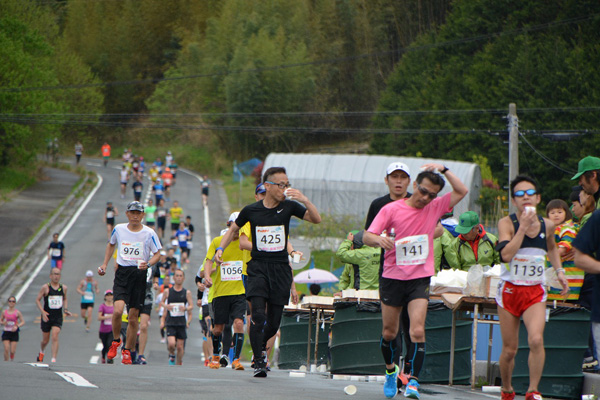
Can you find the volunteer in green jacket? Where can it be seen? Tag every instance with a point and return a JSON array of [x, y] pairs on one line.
[[473, 246], [362, 263]]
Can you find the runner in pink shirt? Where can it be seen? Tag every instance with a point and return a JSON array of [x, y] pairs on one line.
[[408, 265]]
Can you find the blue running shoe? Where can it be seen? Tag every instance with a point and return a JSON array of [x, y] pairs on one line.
[[412, 390], [171, 360], [390, 387]]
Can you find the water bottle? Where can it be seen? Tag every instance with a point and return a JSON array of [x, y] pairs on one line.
[[393, 234]]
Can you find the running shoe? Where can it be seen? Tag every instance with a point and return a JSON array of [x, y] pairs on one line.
[[109, 361], [390, 387], [402, 380], [412, 389], [533, 396], [40, 357], [125, 356], [163, 340], [507, 395], [266, 360], [237, 365], [171, 359], [114, 347], [103, 360], [206, 362], [253, 363], [214, 363], [142, 360], [260, 369], [53, 360], [224, 361]]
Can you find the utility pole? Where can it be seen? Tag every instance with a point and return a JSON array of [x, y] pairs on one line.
[[513, 150]]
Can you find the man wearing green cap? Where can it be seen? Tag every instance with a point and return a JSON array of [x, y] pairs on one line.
[[473, 246], [588, 176]]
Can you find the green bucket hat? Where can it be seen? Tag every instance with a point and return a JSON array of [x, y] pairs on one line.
[[588, 163]]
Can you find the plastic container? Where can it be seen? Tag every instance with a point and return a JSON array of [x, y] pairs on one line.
[[294, 341]]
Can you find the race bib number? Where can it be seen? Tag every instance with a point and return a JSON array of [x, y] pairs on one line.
[[89, 296], [182, 238], [412, 250], [167, 181], [527, 269], [231, 271], [108, 321], [190, 245], [161, 213], [55, 302], [270, 238], [56, 252], [178, 310], [10, 326], [110, 214], [132, 251]]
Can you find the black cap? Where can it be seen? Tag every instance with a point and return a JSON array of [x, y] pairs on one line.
[[135, 206]]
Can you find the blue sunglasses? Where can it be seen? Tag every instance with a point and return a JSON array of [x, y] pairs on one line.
[[521, 193]]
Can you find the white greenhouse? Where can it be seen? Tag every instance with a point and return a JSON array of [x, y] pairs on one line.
[[345, 184]]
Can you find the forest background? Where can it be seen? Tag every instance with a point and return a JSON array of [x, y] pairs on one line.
[[222, 80]]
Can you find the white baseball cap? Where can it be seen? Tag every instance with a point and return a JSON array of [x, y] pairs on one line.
[[395, 166], [89, 273], [233, 216]]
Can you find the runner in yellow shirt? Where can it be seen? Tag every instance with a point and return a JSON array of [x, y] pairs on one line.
[[227, 296], [175, 213]]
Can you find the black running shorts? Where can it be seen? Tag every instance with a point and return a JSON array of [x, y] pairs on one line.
[[130, 286], [397, 293], [272, 281], [228, 308]]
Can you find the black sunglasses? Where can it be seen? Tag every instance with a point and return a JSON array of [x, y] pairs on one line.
[[521, 193], [426, 192]]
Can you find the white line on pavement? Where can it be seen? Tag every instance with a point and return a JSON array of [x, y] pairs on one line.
[[60, 237], [92, 164], [75, 379], [99, 346], [38, 365], [94, 359], [207, 236]]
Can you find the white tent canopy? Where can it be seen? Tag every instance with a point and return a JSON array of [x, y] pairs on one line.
[[346, 184]]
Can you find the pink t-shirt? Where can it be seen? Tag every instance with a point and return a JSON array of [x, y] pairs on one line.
[[414, 237], [106, 324]]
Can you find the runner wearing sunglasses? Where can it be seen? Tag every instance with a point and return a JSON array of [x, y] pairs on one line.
[[525, 239], [409, 265]]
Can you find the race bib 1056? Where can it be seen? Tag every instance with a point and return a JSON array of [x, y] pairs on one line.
[[231, 271]]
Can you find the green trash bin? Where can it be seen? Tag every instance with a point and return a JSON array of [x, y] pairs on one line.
[[356, 333], [294, 340], [565, 340]]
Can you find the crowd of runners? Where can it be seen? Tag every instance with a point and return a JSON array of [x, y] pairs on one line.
[[245, 278]]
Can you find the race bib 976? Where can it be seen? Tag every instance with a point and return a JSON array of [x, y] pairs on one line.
[[131, 251]]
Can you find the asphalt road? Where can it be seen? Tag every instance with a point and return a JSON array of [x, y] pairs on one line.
[[78, 355]]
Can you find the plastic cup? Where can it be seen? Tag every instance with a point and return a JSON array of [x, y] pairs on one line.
[[530, 210], [286, 193], [139, 263], [296, 258], [350, 390]]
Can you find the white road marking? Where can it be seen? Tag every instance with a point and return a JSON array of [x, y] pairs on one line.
[[75, 379], [92, 164], [207, 236], [38, 365], [60, 237], [99, 346], [94, 359]]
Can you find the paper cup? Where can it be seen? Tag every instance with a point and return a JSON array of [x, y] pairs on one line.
[[530, 210], [296, 258], [286, 193], [350, 390], [139, 263], [313, 368]]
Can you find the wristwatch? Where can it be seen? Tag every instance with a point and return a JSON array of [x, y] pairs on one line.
[[444, 170]]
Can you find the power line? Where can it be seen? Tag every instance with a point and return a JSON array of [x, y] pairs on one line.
[[535, 28], [295, 129], [309, 113], [544, 157]]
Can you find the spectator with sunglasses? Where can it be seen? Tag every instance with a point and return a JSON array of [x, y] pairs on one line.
[[409, 265], [525, 240]]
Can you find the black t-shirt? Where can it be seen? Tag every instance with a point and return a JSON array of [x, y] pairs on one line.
[[588, 242], [191, 229], [270, 228], [377, 205]]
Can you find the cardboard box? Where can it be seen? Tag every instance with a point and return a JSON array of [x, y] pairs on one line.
[[491, 286]]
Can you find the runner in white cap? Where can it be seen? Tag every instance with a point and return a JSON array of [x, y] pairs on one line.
[[88, 289]]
